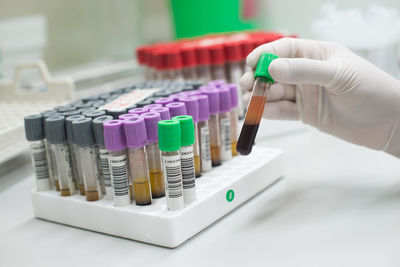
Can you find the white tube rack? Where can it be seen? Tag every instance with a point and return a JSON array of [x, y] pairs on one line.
[[218, 192]]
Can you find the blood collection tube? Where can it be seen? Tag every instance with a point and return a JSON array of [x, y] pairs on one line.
[[102, 159], [114, 140], [187, 158], [151, 120], [189, 62], [49, 153], [128, 116], [34, 133], [136, 140], [55, 131], [141, 58], [203, 63], [164, 101], [246, 46], [215, 83], [153, 106], [217, 62], [163, 111], [213, 123], [225, 123], [159, 58], [138, 111], [192, 109], [204, 133], [174, 65], [256, 105], [233, 114], [75, 157], [176, 109], [94, 114], [169, 135], [82, 129]]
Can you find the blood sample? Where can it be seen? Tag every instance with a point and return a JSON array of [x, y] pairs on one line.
[[75, 157], [82, 129], [213, 123], [102, 159], [187, 158], [114, 140], [169, 135], [203, 60], [136, 140], [192, 109], [217, 62], [204, 133], [233, 114], [225, 122], [35, 135], [234, 58], [151, 120], [55, 131], [256, 105]]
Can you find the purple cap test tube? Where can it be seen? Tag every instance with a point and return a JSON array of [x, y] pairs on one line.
[[176, 97], [191, 93], [114, 136], [138, 110], [234, 95], [204, 109], [164, 101], [224, 99], [128, 116], [176, 109], [135, 132], [192, 107], [151, 120], [164, 113], [213, 100], [217, 83], [153, 106]]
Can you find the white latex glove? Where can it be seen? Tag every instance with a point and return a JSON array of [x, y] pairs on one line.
[[329, 87]]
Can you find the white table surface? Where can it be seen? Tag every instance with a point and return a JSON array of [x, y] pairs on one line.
[[341, 208]]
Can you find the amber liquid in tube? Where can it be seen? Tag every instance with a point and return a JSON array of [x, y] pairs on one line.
[[157, 183], [142, 193], [253, 116]]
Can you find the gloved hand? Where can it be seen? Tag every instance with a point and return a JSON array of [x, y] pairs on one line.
[[329, 87]]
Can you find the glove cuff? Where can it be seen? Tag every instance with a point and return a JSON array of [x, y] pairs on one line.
[[393, 145]]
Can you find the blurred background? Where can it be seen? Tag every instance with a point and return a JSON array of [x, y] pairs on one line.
[[67, 34]]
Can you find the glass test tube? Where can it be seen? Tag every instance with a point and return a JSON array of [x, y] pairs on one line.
[[234, 57], [55, 130], [34, 133], [225, 123], [114, 139], [169, 133], [256, 105], [187, 158], [203, 133], [82, 129], [213, 123], [192, 109], [136, 140], [234, 117], [103, 155], [189, 63], [151, 120], [76, 165], [217, 62]]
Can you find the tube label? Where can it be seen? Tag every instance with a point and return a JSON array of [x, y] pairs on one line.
[[187, 166], [173, 176], [105, 167], [226, 149], [39, 160], [119, 175], [205, 152]]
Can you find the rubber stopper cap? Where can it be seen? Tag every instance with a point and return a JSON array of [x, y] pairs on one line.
[[187, 129], [263, 65], [169, 135]]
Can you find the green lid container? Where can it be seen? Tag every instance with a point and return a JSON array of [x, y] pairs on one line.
[[262, 66], [187, 129], [169, 135]]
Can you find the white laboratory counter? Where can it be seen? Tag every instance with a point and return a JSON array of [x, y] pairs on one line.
[[341, 208]]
